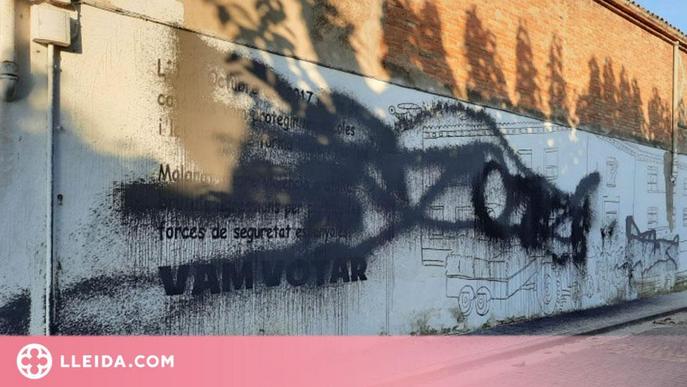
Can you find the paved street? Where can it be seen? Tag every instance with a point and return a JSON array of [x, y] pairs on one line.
[[650, 353], [653, 353]]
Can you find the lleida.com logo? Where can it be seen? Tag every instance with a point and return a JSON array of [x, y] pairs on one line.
[[34, 361]]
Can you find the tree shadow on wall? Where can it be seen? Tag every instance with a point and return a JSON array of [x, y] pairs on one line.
[[558, 87], [264, 18], [527, 91], [609, 103], [263, 24], [486, 80], [415, 46], [659, 116]]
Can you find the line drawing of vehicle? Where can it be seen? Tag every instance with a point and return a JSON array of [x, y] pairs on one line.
[[476, 282]]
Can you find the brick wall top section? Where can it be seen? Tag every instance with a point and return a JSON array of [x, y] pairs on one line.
[[584, 63]]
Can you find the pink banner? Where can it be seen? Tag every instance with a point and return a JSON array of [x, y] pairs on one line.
[[339, 361]]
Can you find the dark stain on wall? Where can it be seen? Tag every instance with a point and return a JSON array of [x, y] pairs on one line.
[[15, 314]]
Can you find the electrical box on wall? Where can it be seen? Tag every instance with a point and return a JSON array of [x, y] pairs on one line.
[[50, 25]]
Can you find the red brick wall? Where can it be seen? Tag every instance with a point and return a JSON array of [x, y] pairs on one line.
[[572, 61]]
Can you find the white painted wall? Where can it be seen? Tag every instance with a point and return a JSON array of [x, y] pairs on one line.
[[114, 136]]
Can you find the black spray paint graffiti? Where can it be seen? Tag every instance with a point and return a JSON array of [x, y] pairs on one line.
[[338, 180], [649, 259], [545, 212]]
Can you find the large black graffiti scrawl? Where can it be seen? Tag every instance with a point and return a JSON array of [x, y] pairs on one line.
[[340, 168], [545, 213]]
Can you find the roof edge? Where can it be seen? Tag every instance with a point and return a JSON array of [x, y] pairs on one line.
[[647, 20]]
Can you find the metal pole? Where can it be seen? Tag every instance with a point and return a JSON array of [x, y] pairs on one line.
[[49, 188], [676, 95]]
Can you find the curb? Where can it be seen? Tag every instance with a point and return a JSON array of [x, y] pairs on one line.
[[595, 320], [612, 327]]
